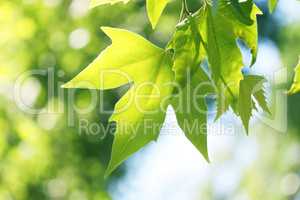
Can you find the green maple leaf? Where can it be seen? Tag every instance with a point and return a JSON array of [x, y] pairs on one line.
[[220, 31], [188, 52], [272, 5], [296, 84], [261, 100], [140, 113], [191, 111], [154, 8], [251, 86]]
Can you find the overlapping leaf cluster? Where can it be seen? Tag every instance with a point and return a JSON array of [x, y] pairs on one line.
[[202, 58]]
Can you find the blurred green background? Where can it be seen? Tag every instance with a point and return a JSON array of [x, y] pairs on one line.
[[43, 155]]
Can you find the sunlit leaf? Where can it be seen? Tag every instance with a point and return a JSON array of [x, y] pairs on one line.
[[155, 9], [140, 113], [250, 86], [189, 101], [261, 100], [272, 5], [188, 51], [191, 111], [220, 32], [295, 88]]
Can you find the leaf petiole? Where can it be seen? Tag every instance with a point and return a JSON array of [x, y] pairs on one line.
[[184, 10]]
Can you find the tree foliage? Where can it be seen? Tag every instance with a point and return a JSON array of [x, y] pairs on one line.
[[201, 59]]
